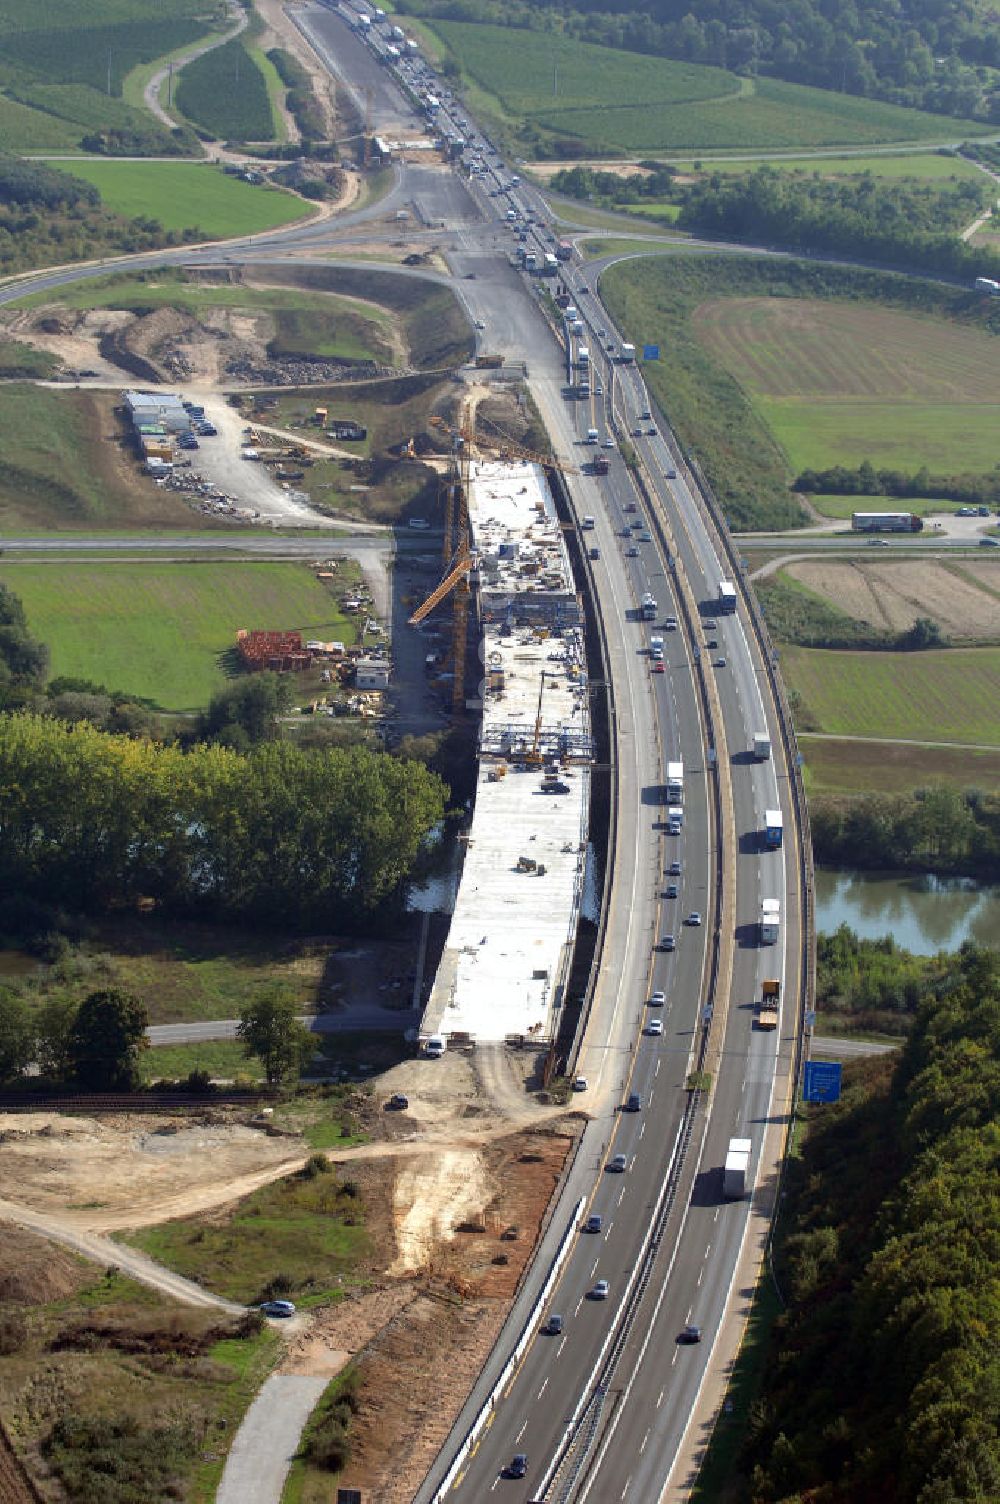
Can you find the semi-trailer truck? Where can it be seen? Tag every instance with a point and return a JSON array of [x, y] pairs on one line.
[[767, 1006], [675, 782], [761, 747], [770, 920], [772, 829], [736, 1175], [648, 607]]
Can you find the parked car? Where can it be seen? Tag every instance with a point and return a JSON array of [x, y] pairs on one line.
[[580, 1083]]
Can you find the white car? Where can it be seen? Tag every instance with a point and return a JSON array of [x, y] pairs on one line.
[[655, 1026], [694, 918], [657, 999], [601, 1290]]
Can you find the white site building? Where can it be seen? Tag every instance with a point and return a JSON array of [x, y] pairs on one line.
[[504, 968]]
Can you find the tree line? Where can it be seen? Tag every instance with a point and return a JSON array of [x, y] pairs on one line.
[[937, 55], [874, 984], [938, 829], [276, 836], [865, 480], [879, 1381], [902, 222]]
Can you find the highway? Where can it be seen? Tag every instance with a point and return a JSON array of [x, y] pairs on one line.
[[602, 1409]]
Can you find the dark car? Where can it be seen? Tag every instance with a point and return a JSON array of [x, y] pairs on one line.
[[633, 1103], [670, 891], [397, 1102], [594, 1223], [518, 1467], [690, 1334]]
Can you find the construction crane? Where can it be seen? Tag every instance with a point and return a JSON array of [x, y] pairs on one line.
[[460, 566]]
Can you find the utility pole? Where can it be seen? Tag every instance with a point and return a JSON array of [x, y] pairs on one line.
[[555, 78], [109, 72]]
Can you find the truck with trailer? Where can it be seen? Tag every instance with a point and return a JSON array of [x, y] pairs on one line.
[[773, 825], [648, 607], [550, 265], [726, 600], [886, 522], [600, 464], [736, 1174], [770, 920], [768, 1003], [675, 782], [760, 747]]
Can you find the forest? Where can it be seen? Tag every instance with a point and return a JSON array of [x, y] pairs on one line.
[[937, 55], [883, 1371], [865, 480]]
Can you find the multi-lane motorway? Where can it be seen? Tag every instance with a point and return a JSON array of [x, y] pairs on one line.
[[612, 1406]]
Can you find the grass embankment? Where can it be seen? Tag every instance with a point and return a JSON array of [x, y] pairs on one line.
[[938, 165], [845, 506], [910, 371], [947, 695], [544, 88], [881, 767], [166, 632], [190, 195], [111, 1381], [223, 1059], [301, 1237]]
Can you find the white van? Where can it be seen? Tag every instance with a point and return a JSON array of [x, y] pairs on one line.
[[435, 1047], [592, 436]]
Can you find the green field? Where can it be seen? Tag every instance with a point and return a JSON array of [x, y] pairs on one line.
[[55, 60], [189, 195], [836, 384], [938, 165], [950, 696], [222, 1058], [225, 93], [572, 89], [165, 632], [846, 506], [853, 767]]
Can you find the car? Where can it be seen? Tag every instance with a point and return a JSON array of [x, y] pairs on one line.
[[608, 443], [878, 543], [696, 654], [599, 392], [633, 1102], [207, 430], [601, 1290], [720, 662], [655, 1026], [480, 324], [657, 999], [637, 431], [629, 506], [709, 625], [594, 1223], [711, 642], [668, 942], [645, 414], [633, 552], [580, 1083], [691, 1334], [645, 536], [398, 1102], [553, 1326], [659, 667], [989, 543], [518, 1466], [601, 334], [693, 919], [617, 1164], [675, 869], [277, 1308], [670, 891]]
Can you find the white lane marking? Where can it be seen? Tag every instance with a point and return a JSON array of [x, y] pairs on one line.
[[642, 1130], [645, 1439], [657, 1071], [659, 1401], [541, 1391], [701, 1276], [624, 1491], [520, 1433], [578, 1305], [610, 1226], [561, 1346], [594, 1269], [621, 1195]]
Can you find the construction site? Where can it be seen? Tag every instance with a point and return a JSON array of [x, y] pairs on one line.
[[504, 969]]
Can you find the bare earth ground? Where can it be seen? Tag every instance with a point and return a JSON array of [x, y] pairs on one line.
[[894, 595], [455, 1193]]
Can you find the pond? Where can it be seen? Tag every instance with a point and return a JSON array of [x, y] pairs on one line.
[[922, 912]]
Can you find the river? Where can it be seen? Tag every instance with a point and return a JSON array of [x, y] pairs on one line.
[[923, 913]]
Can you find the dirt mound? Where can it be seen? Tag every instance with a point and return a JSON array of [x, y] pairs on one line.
[[34, 1271]]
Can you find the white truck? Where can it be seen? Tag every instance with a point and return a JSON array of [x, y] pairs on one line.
[[770, 920], [675, 819], [628, 354], [761, 747], [656, 649], [988, 285], [583, 357], [736, 1175], [675, 782]]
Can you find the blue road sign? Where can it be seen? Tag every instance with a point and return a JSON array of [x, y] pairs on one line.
[[650, 352], [822, 1083]]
